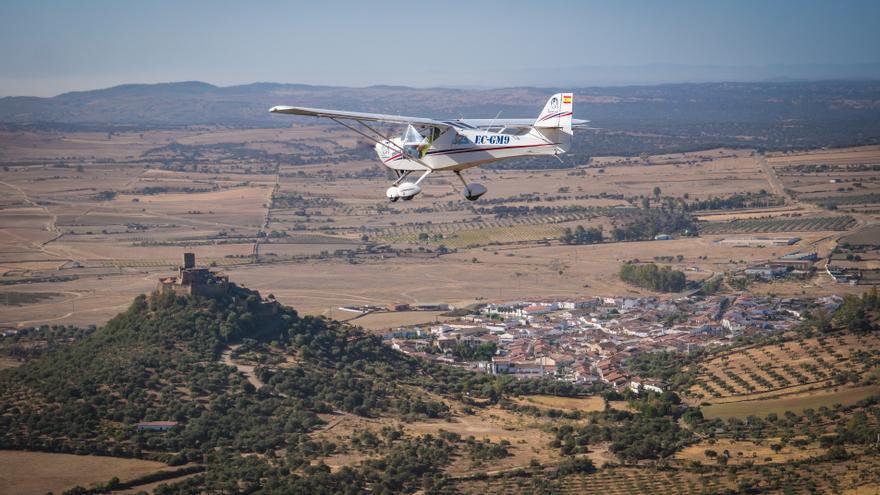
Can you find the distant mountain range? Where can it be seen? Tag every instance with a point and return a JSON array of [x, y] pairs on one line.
[[193, 103]]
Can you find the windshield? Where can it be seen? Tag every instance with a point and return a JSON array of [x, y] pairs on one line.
[[413, 142]]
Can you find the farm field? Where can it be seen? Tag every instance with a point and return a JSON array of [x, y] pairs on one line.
[[795, 403], [387, 321], [784, 368], [774, 225], [498, 274], [751, 213], [854, 476], [586, 404], [869, 236], [845, 179], [317, 287], [39, 472], [99, 218], [606, 481], [6, 362], [748, 451], [527, 440]]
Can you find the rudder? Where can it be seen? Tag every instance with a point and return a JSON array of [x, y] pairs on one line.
[[557, 113]]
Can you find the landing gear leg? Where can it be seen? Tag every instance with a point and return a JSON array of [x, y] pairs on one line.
[[401, 176], [467, 192], [472, 192]]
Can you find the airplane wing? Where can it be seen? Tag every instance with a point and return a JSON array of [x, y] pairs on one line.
[[483, 123], [401, 119], [358, 116]]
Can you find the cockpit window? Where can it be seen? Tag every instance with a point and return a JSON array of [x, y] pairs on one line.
[[414, 143], [460, 139], [430, 133]]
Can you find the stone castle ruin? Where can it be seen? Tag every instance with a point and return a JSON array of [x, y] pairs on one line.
[[194, 281]]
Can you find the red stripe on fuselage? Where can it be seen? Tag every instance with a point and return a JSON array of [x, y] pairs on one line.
[[395, 157], [473, 150]]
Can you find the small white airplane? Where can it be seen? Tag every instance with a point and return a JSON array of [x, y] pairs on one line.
[[429, 145]]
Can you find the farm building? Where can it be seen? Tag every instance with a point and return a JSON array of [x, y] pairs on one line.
[[536, 310], [431, 307], [539, 367], [156, 425], [637, 384], [760, 241], [843, 275], [801, 264]]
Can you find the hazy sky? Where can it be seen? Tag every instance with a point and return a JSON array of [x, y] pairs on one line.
[[51, 47]]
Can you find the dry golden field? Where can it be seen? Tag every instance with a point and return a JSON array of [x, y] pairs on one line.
[[40, 472], [90, 220], [586, 404], [97, 218], [796, 402], [527, 438], [745, 451], [6, 362], [385, 321], [849, 177]]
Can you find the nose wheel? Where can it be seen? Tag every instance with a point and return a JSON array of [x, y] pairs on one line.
[[405, 190]]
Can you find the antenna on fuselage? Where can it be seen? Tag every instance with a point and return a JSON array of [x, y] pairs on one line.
[[492, 124]]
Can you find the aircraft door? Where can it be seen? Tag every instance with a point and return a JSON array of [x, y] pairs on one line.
[[415, 145]]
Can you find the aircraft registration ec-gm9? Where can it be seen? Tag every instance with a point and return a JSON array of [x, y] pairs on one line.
[[429, 145]]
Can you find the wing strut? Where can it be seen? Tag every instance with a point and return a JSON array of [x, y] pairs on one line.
[[388, 142]]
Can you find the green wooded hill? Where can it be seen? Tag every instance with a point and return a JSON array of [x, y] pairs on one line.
[[161, 361]]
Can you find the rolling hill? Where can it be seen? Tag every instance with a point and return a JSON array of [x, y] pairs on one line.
[[630, 120], [791, 114], [168, 359], [243, 395]]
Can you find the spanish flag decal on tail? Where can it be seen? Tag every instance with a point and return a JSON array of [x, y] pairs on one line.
[[566, 99]]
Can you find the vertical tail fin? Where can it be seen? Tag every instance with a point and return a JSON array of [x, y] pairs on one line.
[[557, 113]]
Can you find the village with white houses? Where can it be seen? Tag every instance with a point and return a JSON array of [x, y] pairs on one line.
[[589, 341]]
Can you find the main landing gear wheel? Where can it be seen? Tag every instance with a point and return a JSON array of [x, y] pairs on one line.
[[472, 191]]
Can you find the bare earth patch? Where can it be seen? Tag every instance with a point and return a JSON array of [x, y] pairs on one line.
[[585, 404], [40, 472]]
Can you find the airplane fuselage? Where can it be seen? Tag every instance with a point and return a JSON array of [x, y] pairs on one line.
[[460, 148], [431, 145]]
